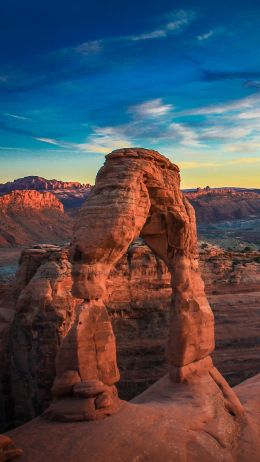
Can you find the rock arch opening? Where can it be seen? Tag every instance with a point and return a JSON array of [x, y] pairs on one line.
[[137, 192]]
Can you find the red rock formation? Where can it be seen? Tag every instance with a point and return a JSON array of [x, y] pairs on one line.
[[139, 299], [45, 311], [32, 200], [71, 193], [215, 205], [165, 423], [29, 217], [39, 184], [137, 191]]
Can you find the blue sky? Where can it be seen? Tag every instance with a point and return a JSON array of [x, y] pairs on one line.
[[80, 78]]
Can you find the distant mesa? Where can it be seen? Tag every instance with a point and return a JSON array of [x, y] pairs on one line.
[[213, 205], [235, 192], [71, 193], [40, 184], [30, 217]]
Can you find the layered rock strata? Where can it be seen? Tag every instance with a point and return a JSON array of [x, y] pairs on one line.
[[45, 311], [137, 192], [28, 217], [139, 299]]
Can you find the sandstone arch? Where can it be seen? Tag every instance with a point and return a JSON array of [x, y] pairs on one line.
[[137, 192]]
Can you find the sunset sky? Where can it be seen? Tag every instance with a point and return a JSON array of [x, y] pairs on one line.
[[81, 78]]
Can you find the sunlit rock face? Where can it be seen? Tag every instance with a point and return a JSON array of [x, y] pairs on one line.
[[28, 217], [137, 192]]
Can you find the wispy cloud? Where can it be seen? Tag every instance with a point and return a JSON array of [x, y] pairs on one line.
[[177, 20], [222, 108], [174, 22], [153, 108], [155, 34], [91, 57], [185, 135], [205, 36], [11, 148], [15, 116], [222, 132], [105, 139], [48, 141], [89, 48], [251, 114]]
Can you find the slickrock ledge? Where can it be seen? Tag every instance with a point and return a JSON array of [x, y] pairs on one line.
[[187, 422]]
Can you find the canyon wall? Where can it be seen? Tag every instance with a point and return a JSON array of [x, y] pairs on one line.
[[28, 217], [139, 302], [215, 205]]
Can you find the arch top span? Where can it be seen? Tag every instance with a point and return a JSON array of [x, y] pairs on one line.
[[137, 192]]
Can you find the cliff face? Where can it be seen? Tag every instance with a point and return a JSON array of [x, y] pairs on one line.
[[215, 205], [30, 216], [26, 201], [138, 303], [232, 282], [45, 310]]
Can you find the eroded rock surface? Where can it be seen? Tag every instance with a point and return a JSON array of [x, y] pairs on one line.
[[166, 423], [45, 311], [138, 304], [137, 192], [138, 300], [28, 217], [215, 205]]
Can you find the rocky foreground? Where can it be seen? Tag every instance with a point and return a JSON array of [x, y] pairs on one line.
[[138, 304], [173, 423]]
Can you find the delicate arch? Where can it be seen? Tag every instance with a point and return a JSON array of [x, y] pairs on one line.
[[137, 192]]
